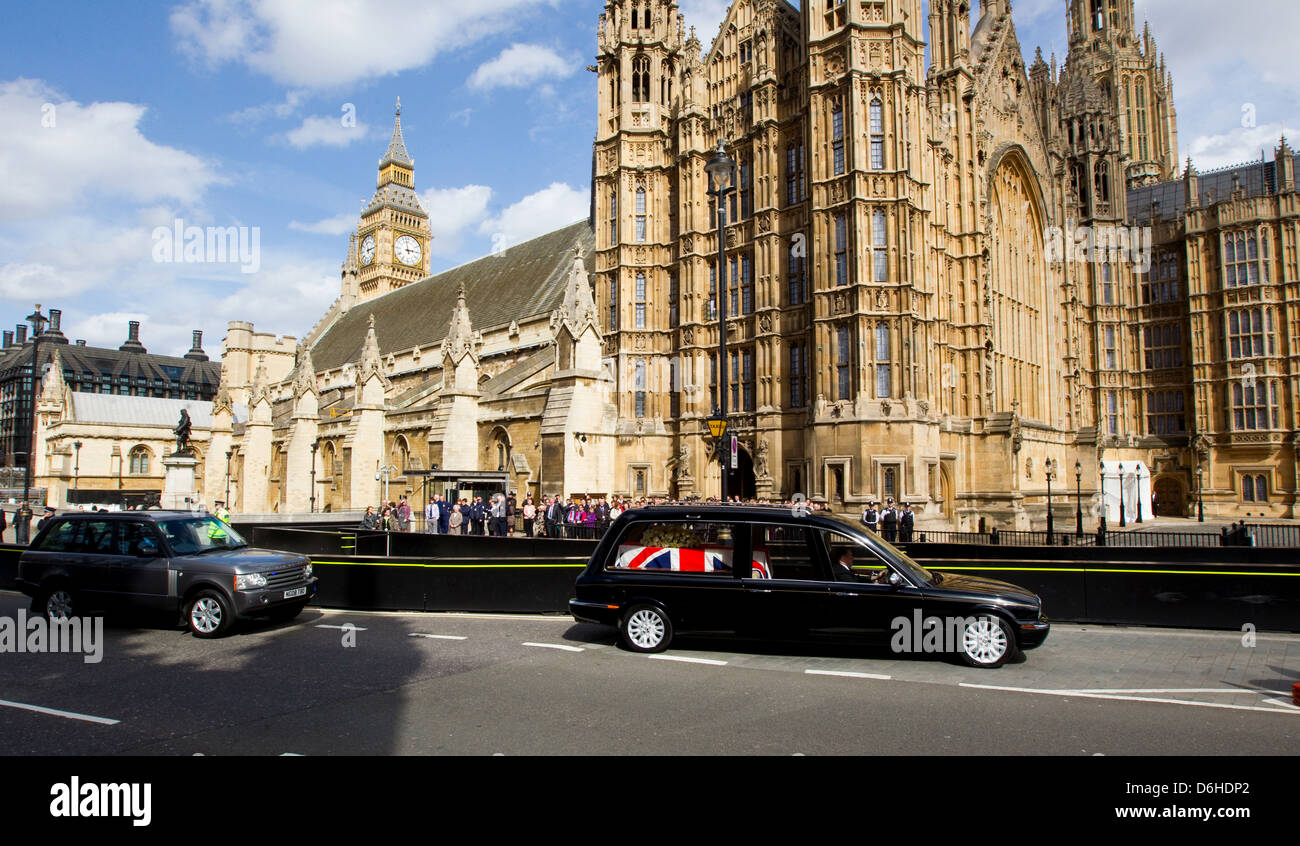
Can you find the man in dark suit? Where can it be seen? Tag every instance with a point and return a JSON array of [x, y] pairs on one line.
[[444, 515]]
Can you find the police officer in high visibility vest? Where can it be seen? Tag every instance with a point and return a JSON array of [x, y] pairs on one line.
[[222, 513]]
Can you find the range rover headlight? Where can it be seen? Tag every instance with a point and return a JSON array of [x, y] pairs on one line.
[[250, 581], [306, 571]]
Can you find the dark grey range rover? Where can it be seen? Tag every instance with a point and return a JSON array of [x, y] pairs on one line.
[[176, 562]]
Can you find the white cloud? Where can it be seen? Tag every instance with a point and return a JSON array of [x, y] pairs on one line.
[[536, 214], [56, 152], [332, 43], [520, 65], [325, 131], [706, 16], [340, 224], [1234, 147], [453, 212], [293, 98]]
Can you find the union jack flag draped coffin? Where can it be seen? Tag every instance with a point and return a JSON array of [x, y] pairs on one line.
[[706, 560]]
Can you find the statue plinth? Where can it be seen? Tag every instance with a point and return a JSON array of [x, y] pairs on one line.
[[178, 487]]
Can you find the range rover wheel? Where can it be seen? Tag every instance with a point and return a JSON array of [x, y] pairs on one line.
[[208, 614], [646, 628], [987, 642], [57, 603]]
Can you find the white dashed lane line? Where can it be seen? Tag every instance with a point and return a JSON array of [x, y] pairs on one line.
[[685, 660], [1082, 694], [556, 646], [437, 636], [848, 674], [347, 627], [70, 715]]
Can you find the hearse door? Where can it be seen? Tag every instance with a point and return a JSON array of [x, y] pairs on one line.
[[862, 608], [786, 590]]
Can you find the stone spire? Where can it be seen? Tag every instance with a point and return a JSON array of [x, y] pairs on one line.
[[578, 308], [461, 337], [371, 362], [304, 380], [397, 147], [260, 388], [54, 387]]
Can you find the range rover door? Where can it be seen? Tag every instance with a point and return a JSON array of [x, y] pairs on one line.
[[140, 567]]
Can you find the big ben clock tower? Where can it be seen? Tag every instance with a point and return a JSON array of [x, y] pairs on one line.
[[393, 235]]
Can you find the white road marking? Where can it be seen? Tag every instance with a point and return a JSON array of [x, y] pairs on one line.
[[848, 674], [557, 646], [103, 721], [437, 637], [686, 660], [349, 627], [1250, 691], [1085, 695], [459, 615], [291, 755]]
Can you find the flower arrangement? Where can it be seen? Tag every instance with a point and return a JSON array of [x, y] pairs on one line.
[[677, 535]]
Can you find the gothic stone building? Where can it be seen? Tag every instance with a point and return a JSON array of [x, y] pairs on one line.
[[902, 317]]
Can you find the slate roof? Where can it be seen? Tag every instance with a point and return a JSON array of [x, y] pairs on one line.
[[144, 411], [525, 281], [1257, 179], [81, 365]]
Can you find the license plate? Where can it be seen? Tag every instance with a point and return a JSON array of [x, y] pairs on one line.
[[290, 594]]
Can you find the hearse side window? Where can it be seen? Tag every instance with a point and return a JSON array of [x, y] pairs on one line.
[[698, 547], [786, 552], [865, 561]]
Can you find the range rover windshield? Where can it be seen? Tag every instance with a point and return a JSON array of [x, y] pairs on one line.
[[192, 535]]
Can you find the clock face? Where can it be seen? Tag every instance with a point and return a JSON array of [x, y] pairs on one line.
[[368, 249], [407, 250]]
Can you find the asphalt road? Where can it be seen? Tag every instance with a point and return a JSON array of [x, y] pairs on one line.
[[451, 684]]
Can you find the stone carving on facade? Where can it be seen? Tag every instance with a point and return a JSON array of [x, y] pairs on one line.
[[688, 336], [682, 468], [761, 470], [765, 322], [840, 303]]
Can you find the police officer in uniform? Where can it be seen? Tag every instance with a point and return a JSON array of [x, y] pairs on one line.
[[905, 523], [871, 517], [889, 521]]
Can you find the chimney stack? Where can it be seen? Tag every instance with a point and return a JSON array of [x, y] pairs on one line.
[[196, 352], [9, 339], [52, 331], [133, 339], [22, 333]]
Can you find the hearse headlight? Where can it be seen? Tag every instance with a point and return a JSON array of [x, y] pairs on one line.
[[250, 581]]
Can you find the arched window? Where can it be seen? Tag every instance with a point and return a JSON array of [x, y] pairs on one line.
[[139, 461], [837, 137], [877, 135], [640, 387], [640, 300], [882, 361], [1101, 182], [640, 215], [641, 80], [879, 256]]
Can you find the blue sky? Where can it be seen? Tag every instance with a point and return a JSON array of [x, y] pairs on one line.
[[119, 118]]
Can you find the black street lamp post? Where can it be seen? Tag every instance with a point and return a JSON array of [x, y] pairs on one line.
[[1200, 487], [1137, 488], [76, 467], [38, 322], [314, 446], [1078, 499], [1122, 519], [229, 453], [720, 169], [1049, 501]]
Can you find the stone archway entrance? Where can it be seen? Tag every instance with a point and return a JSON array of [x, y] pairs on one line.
[[1171, 499], [741, 481]]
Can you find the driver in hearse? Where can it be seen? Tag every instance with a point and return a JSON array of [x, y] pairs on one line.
[[843, 569]]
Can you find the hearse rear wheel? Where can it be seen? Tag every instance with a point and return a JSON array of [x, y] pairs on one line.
[[646, 628]]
